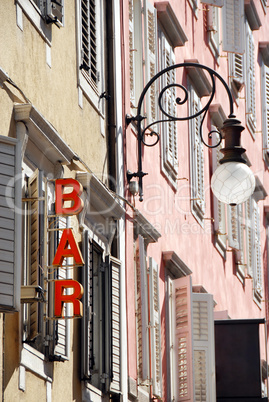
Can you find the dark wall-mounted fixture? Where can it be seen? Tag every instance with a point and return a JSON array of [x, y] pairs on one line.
[[233, 181]]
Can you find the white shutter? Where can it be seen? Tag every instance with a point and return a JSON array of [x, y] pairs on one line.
[[219, 207], [62, 326], [250, 90], [150, 36], [10, 224], [257, 276], [265, 109], [236, 67], [233, 227], [115, 266], [249, 235], [216, 3], [131, 51], [155, 321], [196, 158], [233, 26], [169, 134], [203, 348], [182, 342], [142, 311]]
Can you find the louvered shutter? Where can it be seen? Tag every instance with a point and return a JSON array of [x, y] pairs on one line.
[[142, 311], [257, 275], [216, 3], [131, 51], [196, 158], [61, 338], [236, 65], [150, 37], [86, 322], [155, 330], [182, 343], [265, 110], [203, 348], [233, 227], [36, 245], [135, 51], [233, 26], [249, 235], [219, 207], [10, 224], [115, 385], [250, 90], [169, 105], [89, 55]]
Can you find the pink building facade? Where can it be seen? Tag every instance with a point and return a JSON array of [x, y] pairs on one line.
[[195, 267]]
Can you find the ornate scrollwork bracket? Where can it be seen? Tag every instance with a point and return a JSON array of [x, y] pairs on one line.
[[145, 130]]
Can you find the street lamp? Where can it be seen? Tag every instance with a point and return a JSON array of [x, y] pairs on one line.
[[233, 181]]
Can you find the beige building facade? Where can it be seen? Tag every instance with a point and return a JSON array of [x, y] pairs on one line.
[[58, 123]]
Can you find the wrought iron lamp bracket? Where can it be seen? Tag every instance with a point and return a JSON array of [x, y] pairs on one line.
[[143, 131]]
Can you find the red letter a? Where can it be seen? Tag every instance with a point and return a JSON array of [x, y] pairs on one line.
[[63, 250]]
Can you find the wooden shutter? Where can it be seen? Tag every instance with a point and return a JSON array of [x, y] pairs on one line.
[[250, 90], [142, 311], [155, 328], [10, 224], [115, 267], [265, 109], [216, 3], [150, 37], [86, 321], [36, 245], [61, 338], [233, 26], [182, 344], [219, 207], [203, 348]]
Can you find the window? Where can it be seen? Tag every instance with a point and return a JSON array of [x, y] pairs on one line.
[[52, 11], [91, 50], [39, 241], [41, 235], [169, 129], [101, 318], [196, 159], [191, 331], [250, 81], [148, 325], [265, 111]]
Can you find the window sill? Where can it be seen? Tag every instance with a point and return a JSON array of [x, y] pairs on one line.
[[36, 362]]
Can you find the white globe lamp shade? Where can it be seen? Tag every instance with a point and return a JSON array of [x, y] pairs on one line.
[[233, 183]]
